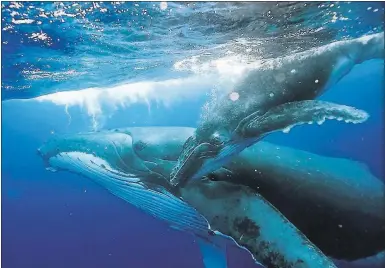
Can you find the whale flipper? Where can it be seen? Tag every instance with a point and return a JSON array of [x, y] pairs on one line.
[[155, 201], [255, 224], [152, 199], [287, 115]]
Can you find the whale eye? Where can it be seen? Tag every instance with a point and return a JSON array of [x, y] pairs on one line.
[[212, 177]]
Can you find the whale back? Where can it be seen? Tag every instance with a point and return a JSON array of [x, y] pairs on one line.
[[341, 197]]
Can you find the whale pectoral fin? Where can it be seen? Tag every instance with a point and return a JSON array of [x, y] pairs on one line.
[[152, 199], [214, 256], [254, 224], [286, 116]]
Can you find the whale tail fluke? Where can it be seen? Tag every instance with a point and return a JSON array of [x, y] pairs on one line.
[[288, 115]]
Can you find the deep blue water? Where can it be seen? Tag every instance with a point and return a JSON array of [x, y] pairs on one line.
[[64, 220]]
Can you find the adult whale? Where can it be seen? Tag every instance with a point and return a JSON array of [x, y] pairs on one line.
[[339, 196], [111, 160], [147, 155], [276, 95]]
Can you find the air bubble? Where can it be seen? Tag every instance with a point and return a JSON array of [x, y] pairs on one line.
[[280, 77], [234, 96], [163, 5], [287, 129], [320, 122]]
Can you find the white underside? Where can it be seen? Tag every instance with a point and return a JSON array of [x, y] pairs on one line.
[[129, 187]]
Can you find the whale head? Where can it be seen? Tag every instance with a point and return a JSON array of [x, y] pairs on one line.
[[102, 154], [128, 155], [129, 150], [129, 164]]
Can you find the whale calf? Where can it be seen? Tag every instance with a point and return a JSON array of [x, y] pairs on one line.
[[134, 164], [275, 95]]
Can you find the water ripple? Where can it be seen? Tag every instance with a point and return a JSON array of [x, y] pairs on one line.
[[49, 47]]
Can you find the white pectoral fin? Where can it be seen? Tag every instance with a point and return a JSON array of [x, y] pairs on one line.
[[288, 115], [153, 201], [214, 256]]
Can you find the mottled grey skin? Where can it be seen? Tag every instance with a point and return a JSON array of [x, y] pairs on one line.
[[337, 203], [254, 223], [314, 193], [276, 95]]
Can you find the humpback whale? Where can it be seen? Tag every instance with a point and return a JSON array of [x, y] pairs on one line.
[[275, 95], [134, 164]]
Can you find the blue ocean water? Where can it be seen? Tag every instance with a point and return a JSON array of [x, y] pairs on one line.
[[71, 67]]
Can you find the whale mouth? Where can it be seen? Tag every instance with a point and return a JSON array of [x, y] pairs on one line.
[[107, 153], [84, 162]]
